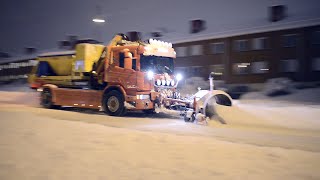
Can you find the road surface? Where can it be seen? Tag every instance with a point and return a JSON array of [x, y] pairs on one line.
[[269, 140]]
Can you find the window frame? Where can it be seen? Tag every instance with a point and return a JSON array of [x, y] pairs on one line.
[[260, 39], [262, 70], [180, 49], [192, 47], [237, 45], [296, 64], [241, 65], [315, 61], [214, 47], [284, 42]]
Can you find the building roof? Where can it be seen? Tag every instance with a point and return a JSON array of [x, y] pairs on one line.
[[24, 57], [17, 59], [243, 31], [226, 18]]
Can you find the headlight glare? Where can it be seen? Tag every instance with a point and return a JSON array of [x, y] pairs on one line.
[[150, 75], [179, 77]]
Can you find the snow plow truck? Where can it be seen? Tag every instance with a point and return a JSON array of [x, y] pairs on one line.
[[123, 75]]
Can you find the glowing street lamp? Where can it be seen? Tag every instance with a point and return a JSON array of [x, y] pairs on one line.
[[98, 20]]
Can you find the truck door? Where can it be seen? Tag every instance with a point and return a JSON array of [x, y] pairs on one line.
[[123, 71], [128, 62]]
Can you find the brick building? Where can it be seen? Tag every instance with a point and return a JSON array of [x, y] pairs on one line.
[[16, 67], [254, 55]]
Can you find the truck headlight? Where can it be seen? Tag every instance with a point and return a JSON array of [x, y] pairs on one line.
[[143, 96], [179, 77], [150, 75], [172, 82], [163, 82], [158, 82], [168, 82]]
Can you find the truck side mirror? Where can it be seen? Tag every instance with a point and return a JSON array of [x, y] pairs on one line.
[[127, 60]]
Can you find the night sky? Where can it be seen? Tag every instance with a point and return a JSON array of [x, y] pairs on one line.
[[41, 23]]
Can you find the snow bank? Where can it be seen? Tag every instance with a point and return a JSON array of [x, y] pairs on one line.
[[310, 95], [278, 86], [191, 85]]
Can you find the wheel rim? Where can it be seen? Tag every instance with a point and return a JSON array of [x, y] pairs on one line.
[[113, 104]]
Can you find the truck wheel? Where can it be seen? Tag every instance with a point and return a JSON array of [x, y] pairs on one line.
[[186, 119], [46, 99], [113, 103], [193, 117]]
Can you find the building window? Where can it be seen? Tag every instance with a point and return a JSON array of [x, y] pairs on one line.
[[181, 51], [259, 43], [181, 70], [259, 67], [196, 50], [316, 64], [33, 62], [241, 45], [217, 69], [217, 48], [316, 38], [190, 71], [195, 70], [290, 40], [289, 65], [241, 68]]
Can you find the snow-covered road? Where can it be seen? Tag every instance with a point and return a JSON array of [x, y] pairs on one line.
[[259, 141]]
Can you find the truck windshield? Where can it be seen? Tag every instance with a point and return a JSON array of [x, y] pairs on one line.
[[157, 64]]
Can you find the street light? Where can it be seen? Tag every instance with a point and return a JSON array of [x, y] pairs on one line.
[[97, 20]]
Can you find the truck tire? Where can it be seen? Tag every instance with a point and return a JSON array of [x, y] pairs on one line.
[[46, 99], [186, 119], [113, 103]]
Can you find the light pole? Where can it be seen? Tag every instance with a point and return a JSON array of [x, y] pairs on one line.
[[98, 22]]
